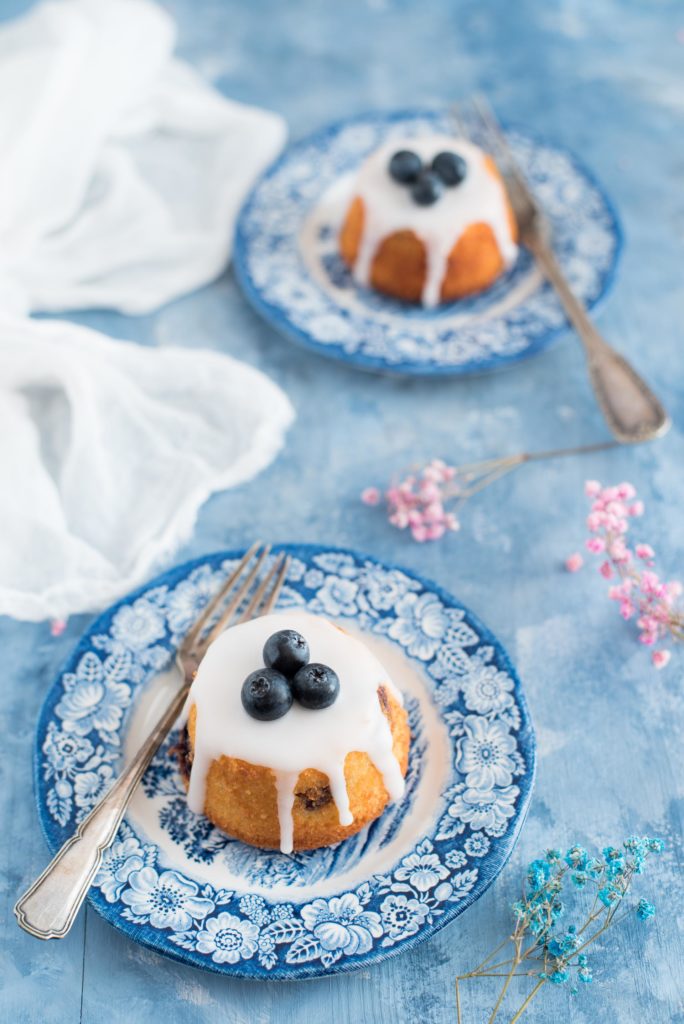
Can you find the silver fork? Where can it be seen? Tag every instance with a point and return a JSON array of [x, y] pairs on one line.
[[632, 411], [48, 909]]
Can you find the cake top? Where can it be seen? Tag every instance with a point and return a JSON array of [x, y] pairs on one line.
[[456, 185], [302, 737]]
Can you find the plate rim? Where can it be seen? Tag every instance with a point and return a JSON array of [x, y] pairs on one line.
[[276, 319], [308, 971]]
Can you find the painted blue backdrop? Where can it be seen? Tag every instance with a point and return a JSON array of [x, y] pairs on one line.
[[607, 81]]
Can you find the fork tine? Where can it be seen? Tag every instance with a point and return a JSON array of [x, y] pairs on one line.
[[459, 120], [504, 153], [258, 595], [235, 601], [272, 599], [489, 122], [204, 619]]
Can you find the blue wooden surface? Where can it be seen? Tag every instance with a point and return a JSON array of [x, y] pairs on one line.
[[606, 80]]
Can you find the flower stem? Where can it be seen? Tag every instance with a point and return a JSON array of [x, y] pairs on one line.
[[505, 974], [594, 914], [475, 469], [489, 478], [527, 1002], [504, 989], [486, 960]]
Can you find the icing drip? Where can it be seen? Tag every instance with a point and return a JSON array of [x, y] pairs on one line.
[[302, 738], [338, 788], [388, 207], [285, 792]]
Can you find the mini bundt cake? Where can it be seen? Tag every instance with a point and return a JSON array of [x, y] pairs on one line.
[[294, 736], [429, 221]]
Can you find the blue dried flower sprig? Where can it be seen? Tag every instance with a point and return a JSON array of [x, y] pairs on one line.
[[548, 953]]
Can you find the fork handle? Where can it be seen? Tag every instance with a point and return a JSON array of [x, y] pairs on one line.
[[632, 411], [48, 909]]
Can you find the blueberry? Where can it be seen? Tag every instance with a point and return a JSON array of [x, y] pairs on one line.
[[427, 189], [286, 651], [316, 686], [405, 166], [450, 167], [266, 695]]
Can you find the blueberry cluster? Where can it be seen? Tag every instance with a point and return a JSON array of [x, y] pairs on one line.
[[427, 183], [288, 675]]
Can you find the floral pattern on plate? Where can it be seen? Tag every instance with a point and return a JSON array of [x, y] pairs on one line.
[[287, 260], [175, 883]]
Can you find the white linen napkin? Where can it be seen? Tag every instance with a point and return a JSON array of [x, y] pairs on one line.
[[107, 451], [121, 172]]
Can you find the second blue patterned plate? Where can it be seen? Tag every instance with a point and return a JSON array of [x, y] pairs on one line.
[[287, 261], [176, 884]]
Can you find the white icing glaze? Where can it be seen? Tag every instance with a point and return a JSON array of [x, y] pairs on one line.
[[302, 738], [389, 207]]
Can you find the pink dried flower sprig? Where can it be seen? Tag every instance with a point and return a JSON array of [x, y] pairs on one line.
[[418, 501], [635, 586]]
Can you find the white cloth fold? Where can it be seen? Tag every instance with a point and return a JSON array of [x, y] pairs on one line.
[[121, 172], [107, 451]]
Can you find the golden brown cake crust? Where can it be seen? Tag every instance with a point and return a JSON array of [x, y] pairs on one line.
[[399, 265], [241, 798], [352, 229]]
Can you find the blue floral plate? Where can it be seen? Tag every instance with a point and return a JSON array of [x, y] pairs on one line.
[[174, 883], [287, 260]]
